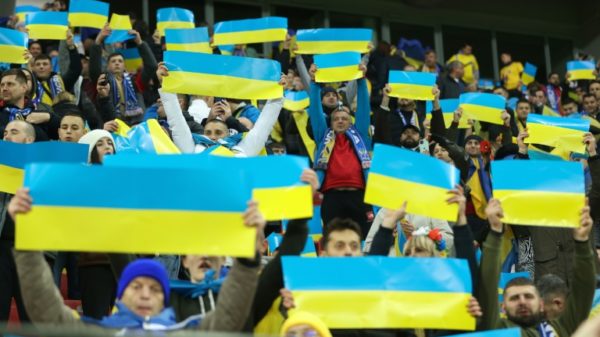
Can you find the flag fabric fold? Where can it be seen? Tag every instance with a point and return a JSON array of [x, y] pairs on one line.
[[120, 26], [296, 100], [566, 133]]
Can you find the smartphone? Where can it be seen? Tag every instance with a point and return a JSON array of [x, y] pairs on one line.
[[219, 99], [424, 146], [105, 81]]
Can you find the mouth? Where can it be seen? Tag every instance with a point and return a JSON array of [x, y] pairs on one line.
[[143, 310]]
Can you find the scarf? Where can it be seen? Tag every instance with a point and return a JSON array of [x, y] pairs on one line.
[[15, 113], [327, 144], [50, 89], [132, 107], [480, 184], [228, 142], [553, 99], [413, 119], [546, 330]]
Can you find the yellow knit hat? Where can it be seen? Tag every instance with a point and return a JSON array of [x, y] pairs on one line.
[[303, 317]]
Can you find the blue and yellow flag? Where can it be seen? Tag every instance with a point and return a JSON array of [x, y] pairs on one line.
[[22, 11], [539, 193], [15, 156], [174, 18], [133, 60], [296, 100], [47, 25], [548, 111], [274, 241], [566, 133], [13, 46], [227, 49], [192, 40], [512, 332], [595, 304], [485, 84], [120, 26], [580, 70], [333, 40], [88, 13], [399, 175], [146, 137], [483, 107], [529, 72], [268, 29], [538, 154], [222, 76], [145, 217], [448, 106], [375, 292], [411, 85], [274, 180], [315, 224], [337, 67]]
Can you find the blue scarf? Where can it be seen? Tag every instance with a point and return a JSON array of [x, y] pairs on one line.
[[132, 107], [18, 114], [124, 318], [196, 290], [546, 330], [552, 99], [484, 179], [228, 142], [38, 94], [327, 144]]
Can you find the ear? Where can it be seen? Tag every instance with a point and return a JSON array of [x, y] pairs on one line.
[[559, 303]]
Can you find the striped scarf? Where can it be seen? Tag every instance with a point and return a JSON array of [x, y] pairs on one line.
[[132, 107], [480, 184], [328, 143]]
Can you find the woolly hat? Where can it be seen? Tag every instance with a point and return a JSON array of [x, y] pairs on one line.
[[473, 137], [92, 137], [327, 90], [302, 317], [145, 268]]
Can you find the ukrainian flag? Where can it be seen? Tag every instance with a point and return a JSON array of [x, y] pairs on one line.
[[22, 11], [547, 111], [412, 85], [529, 72], [315, 224], [222, 76], [13, 45], [274, 241], [227, 49], [192, 40], [47, 25], [337, 67], [146, 217], [382, 292], [133, 60], [483, 107], [485, 84], [448, 107], [174, 18], [15, 156], [539, 193], [581, 70], [512, 332], [88, 13], [566, 133], [149, 137], [269, 29], [399, 175], [333, 40], [120, 25], [296, 100]]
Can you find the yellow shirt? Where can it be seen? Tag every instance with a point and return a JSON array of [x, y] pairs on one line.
[[511, 75], [470, 64]]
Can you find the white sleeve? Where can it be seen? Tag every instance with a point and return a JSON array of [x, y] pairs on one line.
[[182, 136], [374, 228], [257, 137]]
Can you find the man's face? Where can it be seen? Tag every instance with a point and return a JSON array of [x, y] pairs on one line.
[[12, 90], [330, 100], [539, 98], [467, 50], [278, 151], [595, 89], [15, 133], [472, 148], [554, 79], [144, 296], [35, 49], [42, 69], [341, 120], [116, 65], [570, 108], [523, 110], [505, 58], [523, 305], [406, 105], [590, 105], [198, 265], [430, 59], [501, 92], [215, 131], [460, 71], [71, 129], [343, 243], [297, 84], [410, 138]]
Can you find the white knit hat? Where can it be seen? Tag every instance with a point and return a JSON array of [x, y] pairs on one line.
[[92, 137]]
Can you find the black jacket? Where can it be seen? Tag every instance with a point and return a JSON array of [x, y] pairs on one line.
[[450, 88]]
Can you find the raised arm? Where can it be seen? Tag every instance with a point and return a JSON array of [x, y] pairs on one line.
[[363, 111], [303, 72], [74, 70], [96, 54], [438, 126], [315, 111], [384, 237], [147, 56]]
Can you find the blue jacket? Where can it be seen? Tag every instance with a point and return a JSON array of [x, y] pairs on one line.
[[319, 125]]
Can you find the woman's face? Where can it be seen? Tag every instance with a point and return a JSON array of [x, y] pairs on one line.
[[104, 146], [441, 153], [301, 330], [198, 265], [416, 252]]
